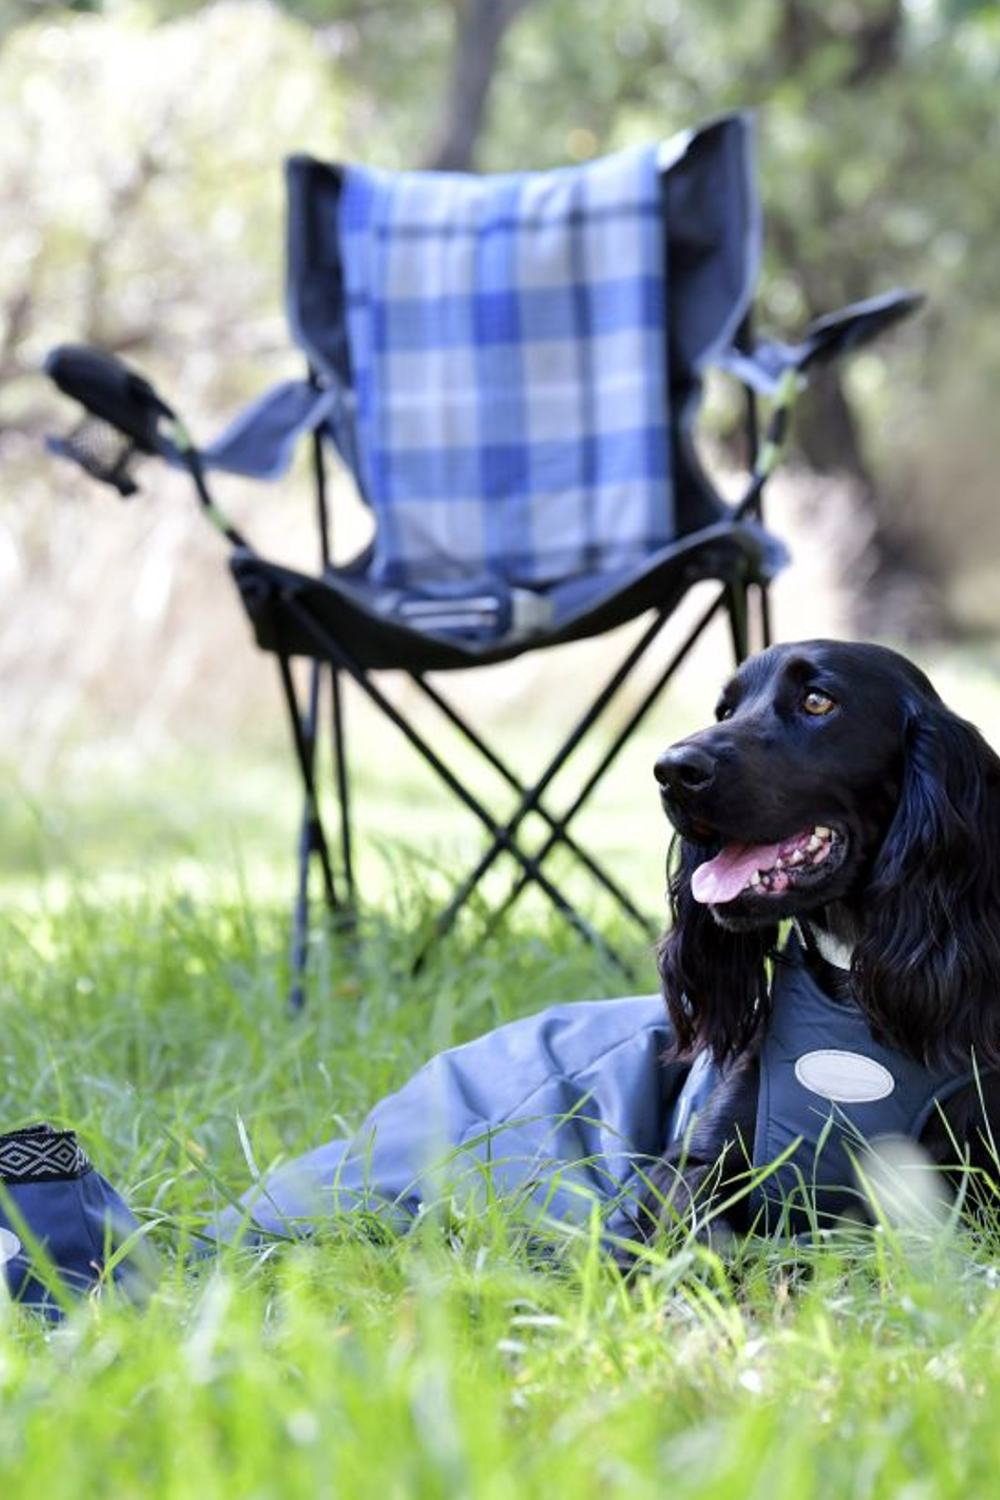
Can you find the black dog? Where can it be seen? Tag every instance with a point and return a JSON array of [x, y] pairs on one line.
[[838, 789]]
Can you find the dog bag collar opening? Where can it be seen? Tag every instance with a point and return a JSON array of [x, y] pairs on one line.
[[829, 948]]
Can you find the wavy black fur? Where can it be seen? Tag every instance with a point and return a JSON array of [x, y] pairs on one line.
[[714, 980], [927, 964]]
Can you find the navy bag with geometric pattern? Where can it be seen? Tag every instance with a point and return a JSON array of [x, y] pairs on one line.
[[59, 1220]]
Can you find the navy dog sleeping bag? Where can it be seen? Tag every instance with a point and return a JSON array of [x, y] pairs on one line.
[[552, 1116], [567, 1109]]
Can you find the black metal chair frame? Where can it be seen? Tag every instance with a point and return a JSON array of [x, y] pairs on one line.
[[334, 658], [291, 613]]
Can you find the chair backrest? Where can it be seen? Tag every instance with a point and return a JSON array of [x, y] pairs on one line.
[[520, 356]]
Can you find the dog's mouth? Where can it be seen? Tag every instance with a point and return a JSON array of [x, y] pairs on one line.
[[767, 870]]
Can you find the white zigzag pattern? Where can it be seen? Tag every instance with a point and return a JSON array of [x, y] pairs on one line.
[[41, 1154]]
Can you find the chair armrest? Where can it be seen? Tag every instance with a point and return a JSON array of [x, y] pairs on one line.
[[839, 333], [824, 340], [123, 414], [109, 390]]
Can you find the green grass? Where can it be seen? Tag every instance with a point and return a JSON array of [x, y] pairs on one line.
[[451, 1363]]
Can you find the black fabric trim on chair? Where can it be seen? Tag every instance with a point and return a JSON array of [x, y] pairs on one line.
[[40, 1153], [733, 554]]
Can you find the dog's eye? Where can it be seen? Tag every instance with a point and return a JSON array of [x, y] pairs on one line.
[[817, 703]]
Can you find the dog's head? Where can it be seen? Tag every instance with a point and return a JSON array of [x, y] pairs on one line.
[[836, 785]]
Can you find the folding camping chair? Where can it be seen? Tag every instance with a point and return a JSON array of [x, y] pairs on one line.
[[511, 368]]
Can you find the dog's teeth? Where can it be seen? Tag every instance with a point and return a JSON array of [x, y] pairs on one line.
[[779, 863], [821, 832], [755, 878], [814, 843], [796, 858]]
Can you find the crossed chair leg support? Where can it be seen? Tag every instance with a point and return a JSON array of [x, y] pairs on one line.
[[313, 840]]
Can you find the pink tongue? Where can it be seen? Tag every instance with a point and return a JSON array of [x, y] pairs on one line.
[[722, 878]]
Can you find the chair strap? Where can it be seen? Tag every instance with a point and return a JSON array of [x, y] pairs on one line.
[[260, 442]]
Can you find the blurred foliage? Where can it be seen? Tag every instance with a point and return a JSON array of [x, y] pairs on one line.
[[142, 187], [142, 197]]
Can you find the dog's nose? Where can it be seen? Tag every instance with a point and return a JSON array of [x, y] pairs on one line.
[[683, 769]]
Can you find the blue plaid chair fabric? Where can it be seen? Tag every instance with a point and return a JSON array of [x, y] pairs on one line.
[[508, 348]]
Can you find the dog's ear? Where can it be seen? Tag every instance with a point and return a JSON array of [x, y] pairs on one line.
[[714, 979], [927, 969]]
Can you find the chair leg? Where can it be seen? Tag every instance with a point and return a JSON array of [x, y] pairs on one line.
[[562, 834], [736, 605], [312, 837], [300, 923], [336, 652], [531, 799], [343, 791], [764, 590], [613, 751], [313, 830], [503, 840], [461, 896]]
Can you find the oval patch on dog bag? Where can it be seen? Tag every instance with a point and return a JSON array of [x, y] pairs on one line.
[[844, 1077], [10, 1246]]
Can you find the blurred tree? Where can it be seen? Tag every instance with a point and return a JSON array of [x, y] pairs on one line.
[[452, 50], [480, 26], [17, 12], [878, 142], [157, 228]]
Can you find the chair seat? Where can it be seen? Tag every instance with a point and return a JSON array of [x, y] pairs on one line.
[[369, 620]]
